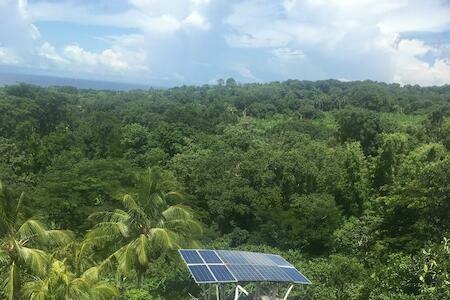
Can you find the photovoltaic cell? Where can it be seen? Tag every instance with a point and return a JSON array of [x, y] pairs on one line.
[[257, 259], [209, 256], [278, 260], [221, 273], [273, 273], [245, 273], [296, 276], [209, 266], [232, 257], [191, 257], [201, 273]]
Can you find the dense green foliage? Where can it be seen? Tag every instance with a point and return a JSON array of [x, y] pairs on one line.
[[349, 181]]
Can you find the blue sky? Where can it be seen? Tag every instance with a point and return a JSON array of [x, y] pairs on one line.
[[173, 42]]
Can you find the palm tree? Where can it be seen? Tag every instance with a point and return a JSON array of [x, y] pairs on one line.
[[22, 244], [60, 283], [150, 224]]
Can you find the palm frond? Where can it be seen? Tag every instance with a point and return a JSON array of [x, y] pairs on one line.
[[36, 260], [126, 259], [37, 289], [32, 229], [104, 291], [107, 231], [92, 274], [59, 237], [174, 197], [141, 246], [4, 258], [188, 227], [11, 284], [19, 204], [177, 212], [129, 202], [117, 215], [163, 238], [78, 289]]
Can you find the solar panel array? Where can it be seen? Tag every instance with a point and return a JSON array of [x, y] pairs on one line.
[[222, 266]]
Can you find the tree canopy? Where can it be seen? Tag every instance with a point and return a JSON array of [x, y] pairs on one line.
[[347, 180]]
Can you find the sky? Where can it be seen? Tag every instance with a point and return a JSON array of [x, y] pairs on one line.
[[175, 42]]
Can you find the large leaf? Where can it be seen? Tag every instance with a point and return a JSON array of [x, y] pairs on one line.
[[36, 260], [11, 283]]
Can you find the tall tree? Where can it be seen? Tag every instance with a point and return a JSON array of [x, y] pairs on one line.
[[149, 225], [22, 244], [60, 283]]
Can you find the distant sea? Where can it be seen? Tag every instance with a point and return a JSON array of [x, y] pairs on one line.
[[11, 78]]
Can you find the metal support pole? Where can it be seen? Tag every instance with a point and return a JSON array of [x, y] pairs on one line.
[[222, 292], [209, 291], [236, 293], [288, 292], [239, 291]]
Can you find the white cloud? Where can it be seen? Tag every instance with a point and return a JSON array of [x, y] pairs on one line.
[[347, 32], [7, 57], [49, 52], [17, 34], [410, 69], [288, 53], [196, 20], [154, 16], [251, 39], [118, 59], [244, 72]]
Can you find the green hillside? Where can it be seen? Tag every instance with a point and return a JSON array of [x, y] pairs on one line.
[[349, 181]]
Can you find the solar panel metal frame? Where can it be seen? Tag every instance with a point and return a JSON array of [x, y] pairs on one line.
[[244, 266]]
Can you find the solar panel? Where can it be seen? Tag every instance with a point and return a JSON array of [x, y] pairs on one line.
[[222, 273], [209, 256], [209, 266], [271, 273], [296, 276], [191, 257], [245, 273], [201, 273], [278, 260], [232, 257]]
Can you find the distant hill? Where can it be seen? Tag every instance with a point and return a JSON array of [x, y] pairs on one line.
[[14, 78]]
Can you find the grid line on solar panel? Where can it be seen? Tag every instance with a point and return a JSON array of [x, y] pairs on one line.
[[278, 260], [209, 266], [209, 256], [257, 259], [222, 273], [296, 276], [191, 257], [201, 273], [245, 273], [231, 257], [271, 273]]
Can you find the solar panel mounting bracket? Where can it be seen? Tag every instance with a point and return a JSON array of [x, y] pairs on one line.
[[239, 291], [288, 292]]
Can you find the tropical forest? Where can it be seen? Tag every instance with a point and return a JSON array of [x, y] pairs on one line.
[[349, 181]]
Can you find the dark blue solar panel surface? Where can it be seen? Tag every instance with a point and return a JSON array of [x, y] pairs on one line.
[[210, 256], [278, 260], [272, 273], [240, 266], [245, 273], [221, 273], [201, 273], [191, 257], [232, 257], [296, 276]]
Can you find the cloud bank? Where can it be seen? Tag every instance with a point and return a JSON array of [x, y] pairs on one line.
[[199, 41]]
